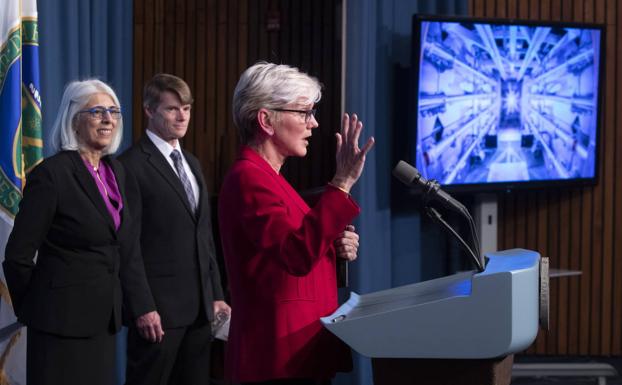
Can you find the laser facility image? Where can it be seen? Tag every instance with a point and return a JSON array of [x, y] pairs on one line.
[[506, 102]]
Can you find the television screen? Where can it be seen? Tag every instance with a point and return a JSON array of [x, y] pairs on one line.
[[505, 103]]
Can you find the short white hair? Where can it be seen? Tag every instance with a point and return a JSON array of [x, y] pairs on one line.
[[269, 85], [75, 97]]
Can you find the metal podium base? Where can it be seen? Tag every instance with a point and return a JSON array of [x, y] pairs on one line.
[[415, 371]]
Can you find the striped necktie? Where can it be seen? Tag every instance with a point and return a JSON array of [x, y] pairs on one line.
[[179, 166]]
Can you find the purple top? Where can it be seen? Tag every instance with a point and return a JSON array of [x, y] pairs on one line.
[[108, 188]]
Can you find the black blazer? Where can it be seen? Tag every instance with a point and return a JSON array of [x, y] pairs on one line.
[[177, 246], [75, 287]]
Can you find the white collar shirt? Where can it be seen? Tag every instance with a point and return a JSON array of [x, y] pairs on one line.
[[166, 149]]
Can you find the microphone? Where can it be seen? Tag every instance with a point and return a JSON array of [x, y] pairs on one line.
[[410, 176], [432, 191]]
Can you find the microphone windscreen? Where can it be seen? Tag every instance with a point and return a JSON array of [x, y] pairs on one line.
[[405, 172]]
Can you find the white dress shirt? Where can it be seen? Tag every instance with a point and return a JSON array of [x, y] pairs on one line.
[[166, 149]]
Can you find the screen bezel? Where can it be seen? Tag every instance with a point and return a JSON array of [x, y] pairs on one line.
[[507, 185]]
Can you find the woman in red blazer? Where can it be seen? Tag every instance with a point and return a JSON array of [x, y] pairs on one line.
[[281, 254]]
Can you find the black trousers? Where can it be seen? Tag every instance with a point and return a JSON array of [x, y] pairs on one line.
[[52, 359], [182, 358]]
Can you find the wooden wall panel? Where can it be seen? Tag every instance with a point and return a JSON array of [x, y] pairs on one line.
[[579, 228], [209, 43]]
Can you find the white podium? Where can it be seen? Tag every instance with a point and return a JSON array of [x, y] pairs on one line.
[[466, 316]]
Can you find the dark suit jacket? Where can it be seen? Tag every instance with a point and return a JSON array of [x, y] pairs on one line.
[[177, 246], [74, 289]]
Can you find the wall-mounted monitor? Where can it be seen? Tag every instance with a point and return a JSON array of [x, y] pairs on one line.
[[506, 103]]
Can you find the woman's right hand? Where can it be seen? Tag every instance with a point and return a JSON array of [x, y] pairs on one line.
[[350, 158]]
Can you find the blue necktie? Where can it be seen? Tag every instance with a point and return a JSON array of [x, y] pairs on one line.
[[179, 166]]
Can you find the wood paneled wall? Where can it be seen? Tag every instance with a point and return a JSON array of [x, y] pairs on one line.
[[210, 42], [580, 228]]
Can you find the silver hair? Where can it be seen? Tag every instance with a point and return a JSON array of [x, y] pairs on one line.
[[269, 85], [75, 97]]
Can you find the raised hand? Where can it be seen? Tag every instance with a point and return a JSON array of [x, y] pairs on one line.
[[350, 158]]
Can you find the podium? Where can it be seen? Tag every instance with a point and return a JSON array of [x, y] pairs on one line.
[[459, 329]]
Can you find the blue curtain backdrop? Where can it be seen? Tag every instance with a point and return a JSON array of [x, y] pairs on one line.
[[395, 248], [81, 39]]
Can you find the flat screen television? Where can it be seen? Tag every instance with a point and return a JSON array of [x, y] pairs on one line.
[[506, 103]]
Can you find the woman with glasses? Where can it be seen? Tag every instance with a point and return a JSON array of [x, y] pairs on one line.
[[281, 254], [71, 249]]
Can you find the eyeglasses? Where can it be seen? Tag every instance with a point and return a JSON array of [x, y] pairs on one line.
[[307, 113], [98, 113]]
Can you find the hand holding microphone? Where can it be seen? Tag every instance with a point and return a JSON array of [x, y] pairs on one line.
[[347, 244]]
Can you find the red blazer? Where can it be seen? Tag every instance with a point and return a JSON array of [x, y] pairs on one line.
[[281, 266]]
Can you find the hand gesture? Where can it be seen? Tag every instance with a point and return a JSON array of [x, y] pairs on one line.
[[350, 158]]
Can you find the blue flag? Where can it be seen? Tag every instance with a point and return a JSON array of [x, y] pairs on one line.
[[21, 149]]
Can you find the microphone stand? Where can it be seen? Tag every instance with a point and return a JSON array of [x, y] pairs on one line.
[[472, 250]]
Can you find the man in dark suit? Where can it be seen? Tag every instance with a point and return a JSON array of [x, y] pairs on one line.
[[171, 345]]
